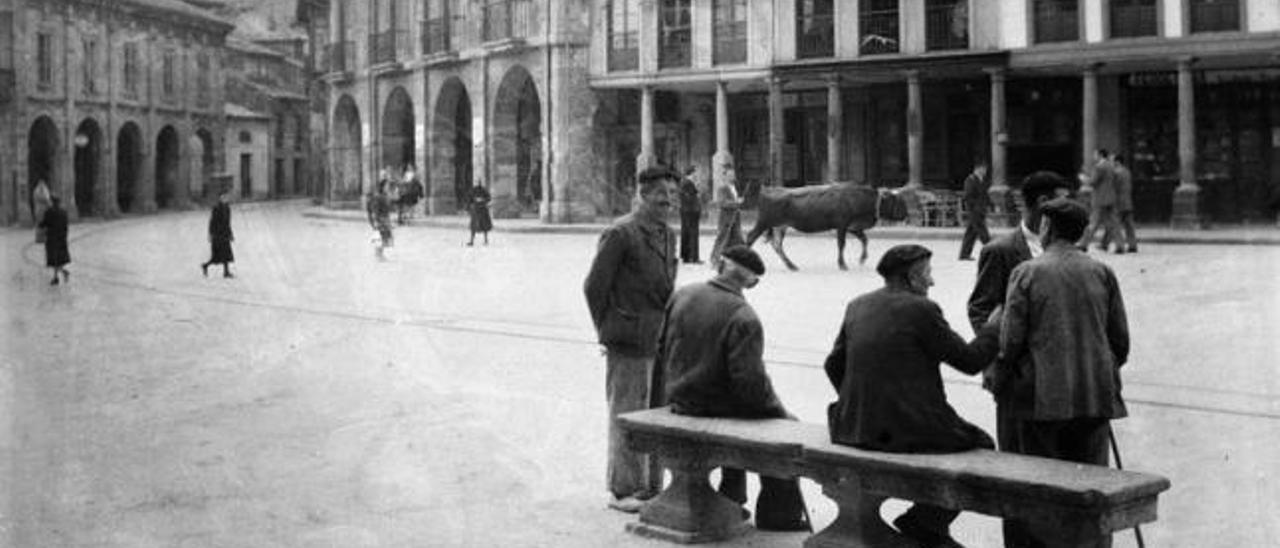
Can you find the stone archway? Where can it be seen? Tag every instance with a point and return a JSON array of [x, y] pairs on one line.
[[517, 145], [451, 145], [43, 146], [397, 132], [88, 167], [167, 156], [129, 153], [202, 165], [344, 152]]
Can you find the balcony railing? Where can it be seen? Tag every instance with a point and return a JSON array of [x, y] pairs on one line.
[[730, 43], [339, 57], [947, 25], [1057, 21], [508, 19], [388, 46], [437, 36], [1129, 19], [675, 50], [815, 36], [879, 32], [1217, 16], [624, 50]]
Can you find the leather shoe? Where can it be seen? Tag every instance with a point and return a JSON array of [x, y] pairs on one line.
[[927, 538]]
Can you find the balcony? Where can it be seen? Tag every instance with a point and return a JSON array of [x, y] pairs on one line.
[[1057, 21], [508, 20], [339, 57], [675, 49], [1134, 18], [388, 46], [879, 32], [730, 45], [437, 36], [815, 36], [947, 25], [624, 51], [1215, 16]]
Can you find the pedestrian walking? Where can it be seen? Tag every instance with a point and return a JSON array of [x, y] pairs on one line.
[[975, 205], [220, 238], [711, 357], [1063, 339], [884, 366], [1127, 237], [41, 200], [729, 225], [378, 208], [411, 192], [481, 220], [56, 254], [690, 217], [1103, 202], [627, 287]]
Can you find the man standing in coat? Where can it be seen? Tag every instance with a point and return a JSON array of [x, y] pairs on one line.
[[884, 367], [711, 355], [1103, 202], [220, 238], [1127, 240], [690, 217], [1062, 342], [630, 280], [975, 205]]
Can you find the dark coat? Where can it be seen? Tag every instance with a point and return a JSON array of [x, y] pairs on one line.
[[976, 199], [55, 243], [220, 236], [1124, 189], [1063, 338], [631, 278], [711, 354], [996, 262], [884, 365], [690, 201], [481, 220]]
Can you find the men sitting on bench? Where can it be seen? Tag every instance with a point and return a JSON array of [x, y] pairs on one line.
[[710, 352], [884, 365]]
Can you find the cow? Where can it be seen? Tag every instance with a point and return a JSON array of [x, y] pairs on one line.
[[843, 207]]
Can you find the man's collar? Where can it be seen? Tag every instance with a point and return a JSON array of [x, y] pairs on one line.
[[717, 282]]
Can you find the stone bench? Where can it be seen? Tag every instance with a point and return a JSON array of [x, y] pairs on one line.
[[1071, 503]]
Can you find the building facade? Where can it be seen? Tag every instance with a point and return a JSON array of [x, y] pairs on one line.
[[489, 91], [117, 105], [272, 82], [914, 92]]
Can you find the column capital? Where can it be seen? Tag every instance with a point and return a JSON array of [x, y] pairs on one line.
[[1185, 61], [997, 73], [912, 75], [832, 79], [1091, 68]]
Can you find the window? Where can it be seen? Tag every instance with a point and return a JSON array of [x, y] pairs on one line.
[[299, 133], [1214, 15], [1129, 18], [675, 34], [246, 137], [624, 38], [168, 78], [947, 24], [6, 40], [730, 29], [203, 67], [280, 130], [815, 28], [1056, 21], [131, 70], [90, 73], [44, 60], [436, 30], [878, 26]]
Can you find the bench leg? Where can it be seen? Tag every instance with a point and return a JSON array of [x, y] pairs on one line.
[[689, 511], [858, 524]]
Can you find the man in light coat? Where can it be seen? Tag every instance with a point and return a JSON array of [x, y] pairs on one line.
[[1103, 202]]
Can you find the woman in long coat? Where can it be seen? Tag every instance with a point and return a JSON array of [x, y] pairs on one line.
[[481, 221], [220, 238], [56, 254]]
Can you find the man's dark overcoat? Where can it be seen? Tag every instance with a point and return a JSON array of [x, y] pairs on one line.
[[220, 236], [711, 355], [630, 280], [976, 200], [884, 365], [996, 262]]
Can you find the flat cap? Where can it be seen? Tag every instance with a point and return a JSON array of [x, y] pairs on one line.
[[900, 257], [1066, 214], [744, 256]]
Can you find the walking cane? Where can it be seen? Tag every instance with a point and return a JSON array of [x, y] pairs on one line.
[[1115, 451]]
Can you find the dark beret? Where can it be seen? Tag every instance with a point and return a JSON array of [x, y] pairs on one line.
[[1066, 213], [900, 257], [744, 256]]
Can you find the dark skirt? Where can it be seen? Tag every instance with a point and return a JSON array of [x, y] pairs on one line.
[[221, 252], [480, 219], [55, 252]]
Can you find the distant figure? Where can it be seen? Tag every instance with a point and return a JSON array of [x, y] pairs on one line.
[[41, 200], [220, 238], [1103, 214], [409, 195], [481, 220], [975, 204], [690, 216], [1126, 236], [56, 254], [729, 225], [378, 208]]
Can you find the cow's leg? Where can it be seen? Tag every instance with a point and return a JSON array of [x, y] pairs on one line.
[[781, 233], [840, 250], [862, 237], [755, 233]]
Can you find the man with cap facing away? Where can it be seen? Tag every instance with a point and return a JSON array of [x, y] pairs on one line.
[[630, 280], [711, 353], [884, 367], [1062, 341]]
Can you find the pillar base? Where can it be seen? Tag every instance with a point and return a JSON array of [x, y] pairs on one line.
[[689, 510], [1186, 208]]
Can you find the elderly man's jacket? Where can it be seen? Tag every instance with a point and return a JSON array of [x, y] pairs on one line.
[[884, 365], [996, 262], [630, 280], [1063, 338], [711, 355]]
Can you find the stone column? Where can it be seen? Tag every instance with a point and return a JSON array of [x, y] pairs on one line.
[[999, 191], [1186, 198], [835, 130], [646, 157], [915, 132], [775, 131], [1089, 129], [722, 160]]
